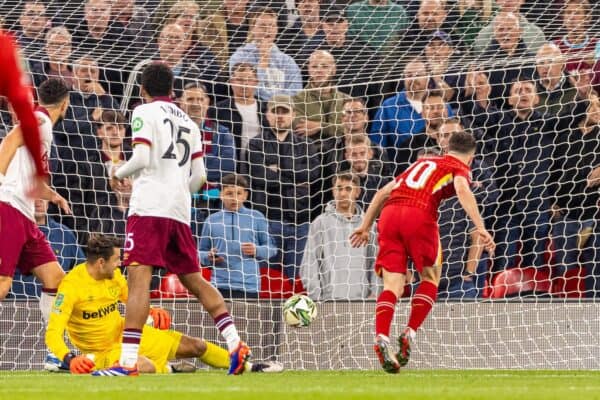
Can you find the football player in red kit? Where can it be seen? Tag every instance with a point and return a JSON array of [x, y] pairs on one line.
[[407, 228]]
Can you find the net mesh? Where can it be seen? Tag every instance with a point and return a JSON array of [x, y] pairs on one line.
[[521, 75]]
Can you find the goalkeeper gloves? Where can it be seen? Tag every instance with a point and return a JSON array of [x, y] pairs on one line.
[[79, 364], [160, 317]]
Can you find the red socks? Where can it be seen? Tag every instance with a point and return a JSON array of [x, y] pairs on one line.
[[384, 312], [422, 302]]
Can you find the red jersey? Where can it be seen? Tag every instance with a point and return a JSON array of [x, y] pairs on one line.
[[12, 86], [427, 182]]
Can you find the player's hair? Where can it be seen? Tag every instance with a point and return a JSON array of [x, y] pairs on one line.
[[112, 117], [433, 93], [346, 176], [428, 152], [234, 180], [102, 246], [157, 79], [462, 143], [52, 92]]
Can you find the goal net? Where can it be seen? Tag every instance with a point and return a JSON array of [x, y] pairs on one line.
[[316, 106]]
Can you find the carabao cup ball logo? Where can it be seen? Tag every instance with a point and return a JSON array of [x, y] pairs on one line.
[[137, 124]]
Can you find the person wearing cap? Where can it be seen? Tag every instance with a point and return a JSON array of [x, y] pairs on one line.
[[376, 21], [286, 180], [277, 72]]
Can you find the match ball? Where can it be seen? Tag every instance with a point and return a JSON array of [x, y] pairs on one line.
[[299, 310]]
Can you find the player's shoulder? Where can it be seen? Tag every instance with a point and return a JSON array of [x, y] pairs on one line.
[[74, 277]]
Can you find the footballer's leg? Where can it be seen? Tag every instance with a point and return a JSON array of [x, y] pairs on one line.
[[214, 304], [5, 284], [393, 287]]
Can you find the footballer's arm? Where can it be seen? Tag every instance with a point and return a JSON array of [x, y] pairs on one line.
[[198, 177], [139, 160], [360, 237], [469, 204]]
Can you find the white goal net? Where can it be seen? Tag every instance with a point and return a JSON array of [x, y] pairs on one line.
[[317, 105]]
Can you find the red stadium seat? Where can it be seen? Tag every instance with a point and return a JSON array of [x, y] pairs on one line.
[[572, 285], [274, 284], [520, 282], [170, 288]]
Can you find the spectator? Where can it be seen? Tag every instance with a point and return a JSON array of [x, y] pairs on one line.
[[62, 241], [278, 73], [285, 173], [110, 217], [137, 30], [319, 107], [305, 34], [376, 21], [219, 148], [235, 241], [110, 129], [578, 42], [399, 117], [555, 90], [521, 143], [443, 64], [331, 269], [33, 26], [575, 210], [235, 15], [464, 272], [506, 57], [356, 61], [371, 172], [473, 16], [57, 60], [435, 111], [354, 121], [532, 36], [242, 114], [431, 18]]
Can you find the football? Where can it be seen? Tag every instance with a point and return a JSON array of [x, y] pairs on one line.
[[299, 310]]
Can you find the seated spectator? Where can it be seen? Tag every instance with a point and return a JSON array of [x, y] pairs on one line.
[[371, 172], [435, 111], [235, 15], [555, 91], [33, 24], [399, 117], [464, 272], [235, 241], [376, 21], [473, 16], [63, 243], [218, 145], [110, 217], [110, 129], [443, 64], [532, 36], [578, 40], [57, 60], [332, 270], [136, 28], [356, 61], [354, 121], [305, 34], [431, 17], [506, 57], [319, 107], [278, 73], [285, 172], [243, 114], [575, 210]]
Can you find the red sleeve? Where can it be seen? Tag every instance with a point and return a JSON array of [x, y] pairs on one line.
[[12, 86], [463, 171]]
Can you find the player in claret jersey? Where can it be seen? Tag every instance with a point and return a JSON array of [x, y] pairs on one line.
[[408, 228], [166, 166]]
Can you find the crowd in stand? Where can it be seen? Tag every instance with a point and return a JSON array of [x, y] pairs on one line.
[[308, 107]]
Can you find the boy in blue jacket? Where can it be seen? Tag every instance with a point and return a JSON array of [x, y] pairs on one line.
[[235, 241]]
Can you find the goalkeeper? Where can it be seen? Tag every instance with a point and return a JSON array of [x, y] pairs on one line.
[[86, 306]]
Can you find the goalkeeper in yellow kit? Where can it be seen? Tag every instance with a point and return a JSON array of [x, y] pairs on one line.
[[86, 306]]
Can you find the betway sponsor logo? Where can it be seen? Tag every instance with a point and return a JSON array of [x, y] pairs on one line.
[[102, 312]]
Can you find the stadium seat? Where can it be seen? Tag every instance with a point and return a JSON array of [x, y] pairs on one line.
[[170, 288], [274, 284], [572, 285], [520, 282]]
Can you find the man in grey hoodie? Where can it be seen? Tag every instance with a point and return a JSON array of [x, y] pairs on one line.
[[331, 268]]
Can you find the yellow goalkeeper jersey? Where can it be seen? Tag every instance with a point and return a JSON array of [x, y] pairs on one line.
[[88, 309]]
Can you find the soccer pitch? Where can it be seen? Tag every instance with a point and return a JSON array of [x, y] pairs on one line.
[[421, 384]]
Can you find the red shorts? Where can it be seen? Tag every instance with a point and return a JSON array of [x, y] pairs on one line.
[[407, 232], [160, 242], [22, 243]]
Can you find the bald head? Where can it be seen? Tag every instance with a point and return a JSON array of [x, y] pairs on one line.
[[507, 31], [550, 64], [321, 68]]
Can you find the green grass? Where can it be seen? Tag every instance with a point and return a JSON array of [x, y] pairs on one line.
[[421, 384]]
